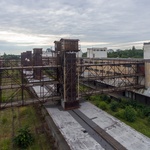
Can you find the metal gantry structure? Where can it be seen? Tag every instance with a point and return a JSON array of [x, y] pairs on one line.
[[112, 75], [64, 78]]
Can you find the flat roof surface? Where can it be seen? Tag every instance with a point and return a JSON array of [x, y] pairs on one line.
[[72, 131], [127, 136]]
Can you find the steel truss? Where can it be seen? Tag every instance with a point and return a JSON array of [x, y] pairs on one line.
[[17, 85], [110, 75], [87, 77]]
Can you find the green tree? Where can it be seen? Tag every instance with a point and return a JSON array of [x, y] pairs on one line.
[[133, 48], [10, 56], [130, 53], [84, 54], [130, 114], [114, 105]]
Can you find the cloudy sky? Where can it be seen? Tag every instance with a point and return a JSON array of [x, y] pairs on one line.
[[27, 24]]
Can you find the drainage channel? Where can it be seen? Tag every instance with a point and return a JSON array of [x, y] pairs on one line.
[[97, 133]]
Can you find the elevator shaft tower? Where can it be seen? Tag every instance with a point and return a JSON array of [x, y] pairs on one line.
[[67, 50]]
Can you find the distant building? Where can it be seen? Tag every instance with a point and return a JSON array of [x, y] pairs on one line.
[[147, 50], [48, 53], [97, 52], [79, 54]]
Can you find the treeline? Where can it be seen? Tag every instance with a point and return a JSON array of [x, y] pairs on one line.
[[131, 53], [10, 56], [84, 54]]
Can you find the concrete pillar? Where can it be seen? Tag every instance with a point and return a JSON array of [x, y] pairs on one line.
[[146, 50]]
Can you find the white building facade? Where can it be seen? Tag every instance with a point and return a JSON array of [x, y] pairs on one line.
[[97, 52], [147, 64], [147, 50]]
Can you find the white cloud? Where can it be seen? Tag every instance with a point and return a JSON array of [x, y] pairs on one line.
[[111, 23], [17, 38], [93, 43]]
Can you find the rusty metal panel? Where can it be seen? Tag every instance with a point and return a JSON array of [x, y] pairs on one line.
[[23, 56], [26, 58], [141, 69], [37, 51], [57, 46], [37, 61], [69, 45], [71, 82], [71, 75], [71, 105]]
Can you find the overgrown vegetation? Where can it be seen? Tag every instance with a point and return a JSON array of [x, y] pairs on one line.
[[114, 106], [12, 77], [14, 119], [83, 88], [130, 114], [134, 114], [24, 138], [84, 54]]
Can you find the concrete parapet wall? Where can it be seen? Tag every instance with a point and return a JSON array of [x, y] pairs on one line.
[[60, 142], [147, 74]]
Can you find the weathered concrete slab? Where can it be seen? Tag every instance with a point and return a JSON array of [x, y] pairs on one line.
[[128, 137], [72, 131]]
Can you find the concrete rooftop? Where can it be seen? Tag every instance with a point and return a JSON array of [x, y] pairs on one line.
[[127, 136], [74, 129]]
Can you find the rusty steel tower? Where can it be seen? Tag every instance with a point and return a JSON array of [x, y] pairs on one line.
[[66, 54]]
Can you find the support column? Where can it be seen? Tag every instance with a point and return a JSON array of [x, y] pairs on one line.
[[147, 74], [0, 88], [69, 78], [37, 61], [22, 87]]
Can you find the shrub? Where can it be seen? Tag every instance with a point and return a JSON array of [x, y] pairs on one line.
[[103, 105], [146, 111], [120, 114], [108, 100], [140, 106], [114, 105], [24, 138], [4, 120], [148, 120], [133, 103], [130, 114], [104, 97], [140, 113], [123, 103], [95, 98]]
